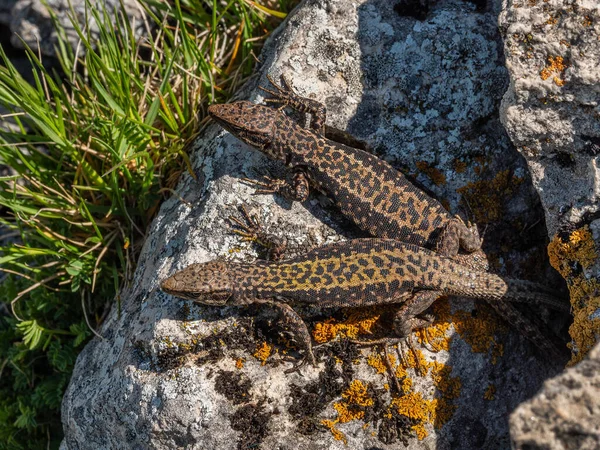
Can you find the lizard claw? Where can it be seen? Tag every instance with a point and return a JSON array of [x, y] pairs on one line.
[[283, 94], [251, 230], [308, 358], [266, 186]]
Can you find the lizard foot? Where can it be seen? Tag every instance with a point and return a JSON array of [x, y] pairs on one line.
[[251, 230], [308, 358], [383, 343], [267, 186], [284, 94]]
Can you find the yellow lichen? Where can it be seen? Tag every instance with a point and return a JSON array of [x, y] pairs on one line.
[[263, 352], [486, 198], [433, 173], [555, 66], [459, 166], [357, 394], [570, 257], [490, 392], [239, 363], [354, 400], [337, 434], [359, 322]]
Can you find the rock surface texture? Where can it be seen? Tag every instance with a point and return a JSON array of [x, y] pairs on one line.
[[565, 413], [551, 112], [31, 22], [425, 96]]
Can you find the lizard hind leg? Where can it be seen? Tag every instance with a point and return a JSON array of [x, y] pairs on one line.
[[455, 236], [286, 96]]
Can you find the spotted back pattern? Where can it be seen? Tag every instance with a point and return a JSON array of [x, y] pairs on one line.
[[381, 200], [353, 273]]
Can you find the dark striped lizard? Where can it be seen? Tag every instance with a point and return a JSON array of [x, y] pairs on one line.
[[366, 189]]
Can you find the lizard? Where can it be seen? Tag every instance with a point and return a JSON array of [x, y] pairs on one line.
[[366, 189], [359, 272]]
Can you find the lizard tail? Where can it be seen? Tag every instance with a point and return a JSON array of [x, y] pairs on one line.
[[527, 291], [494, 288]]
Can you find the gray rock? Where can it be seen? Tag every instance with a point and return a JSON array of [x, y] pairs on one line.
[[565, 413], [424, 95], [5, 9], [551, 109], [31, 22], [551, 112]]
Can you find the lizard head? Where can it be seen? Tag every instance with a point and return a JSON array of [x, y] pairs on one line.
[[206, 283], [253, 124]]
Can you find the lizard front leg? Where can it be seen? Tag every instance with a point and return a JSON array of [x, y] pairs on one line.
[[298, 330], [297, 189], [286, 96], [251, 230]]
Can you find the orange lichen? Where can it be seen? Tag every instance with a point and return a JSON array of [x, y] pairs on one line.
[[447, 385], [420, 431], [337, 434], [376, 361], [587, 21], [406, 385], [239, 363], [433, 173], [487, 198], [359, 322], [497, 352], [357, 394], [413, 406], [459, 166], [347, 413], [435, 335], [478, 331], [555, 66], [579, 248], [571, 257], [437, 411], [355, 399], [490, 392], [263, 352]]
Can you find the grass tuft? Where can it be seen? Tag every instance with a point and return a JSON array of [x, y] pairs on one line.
[[92, 151]]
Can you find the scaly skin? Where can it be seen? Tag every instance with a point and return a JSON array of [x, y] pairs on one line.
[[366, 189], [359, 272]]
